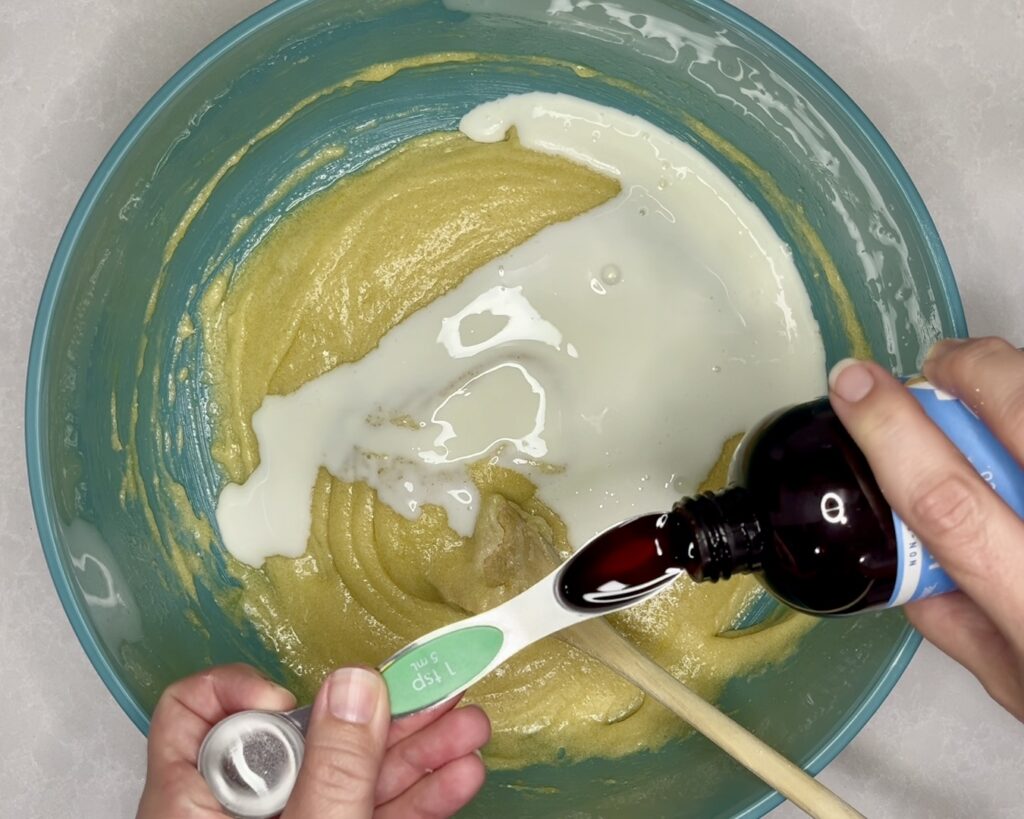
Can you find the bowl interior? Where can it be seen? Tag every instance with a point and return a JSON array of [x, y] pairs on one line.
[[861, 237]]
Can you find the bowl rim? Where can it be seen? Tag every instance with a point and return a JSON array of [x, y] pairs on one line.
[[34, 404]]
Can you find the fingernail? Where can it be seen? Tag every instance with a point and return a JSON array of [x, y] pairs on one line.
[[274, 683], [282, 689], [352, 695], [851, 380]]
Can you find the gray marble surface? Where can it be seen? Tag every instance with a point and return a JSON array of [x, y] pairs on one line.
[[942, 79]]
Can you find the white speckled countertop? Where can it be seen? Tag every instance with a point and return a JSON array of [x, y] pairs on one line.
[[942, 79]]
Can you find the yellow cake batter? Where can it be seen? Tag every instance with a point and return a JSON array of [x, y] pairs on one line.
[[322, 290]]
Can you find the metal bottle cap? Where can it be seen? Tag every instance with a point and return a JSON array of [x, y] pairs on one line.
[[251, 761]]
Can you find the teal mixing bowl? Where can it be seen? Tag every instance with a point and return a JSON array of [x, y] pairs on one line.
[[123, 277]]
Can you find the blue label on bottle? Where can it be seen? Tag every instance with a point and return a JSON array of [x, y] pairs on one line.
[[919, 574]]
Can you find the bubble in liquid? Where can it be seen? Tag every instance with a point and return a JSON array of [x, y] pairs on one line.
[[716, 369], [611, 274]]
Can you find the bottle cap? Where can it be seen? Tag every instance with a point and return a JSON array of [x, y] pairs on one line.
[[251, 761]]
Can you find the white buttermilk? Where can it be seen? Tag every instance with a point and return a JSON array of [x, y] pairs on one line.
[[607, 358]]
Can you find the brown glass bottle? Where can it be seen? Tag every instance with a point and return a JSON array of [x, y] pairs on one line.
[[805, 514]]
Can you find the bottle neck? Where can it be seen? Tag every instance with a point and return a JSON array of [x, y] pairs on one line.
[[727, 535]]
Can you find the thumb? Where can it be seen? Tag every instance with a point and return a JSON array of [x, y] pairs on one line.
[[345, 746]]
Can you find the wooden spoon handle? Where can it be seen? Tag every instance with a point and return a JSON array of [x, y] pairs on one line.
[[598, 639]]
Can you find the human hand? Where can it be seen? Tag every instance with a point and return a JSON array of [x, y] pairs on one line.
[[972, 533], [358, 763]]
